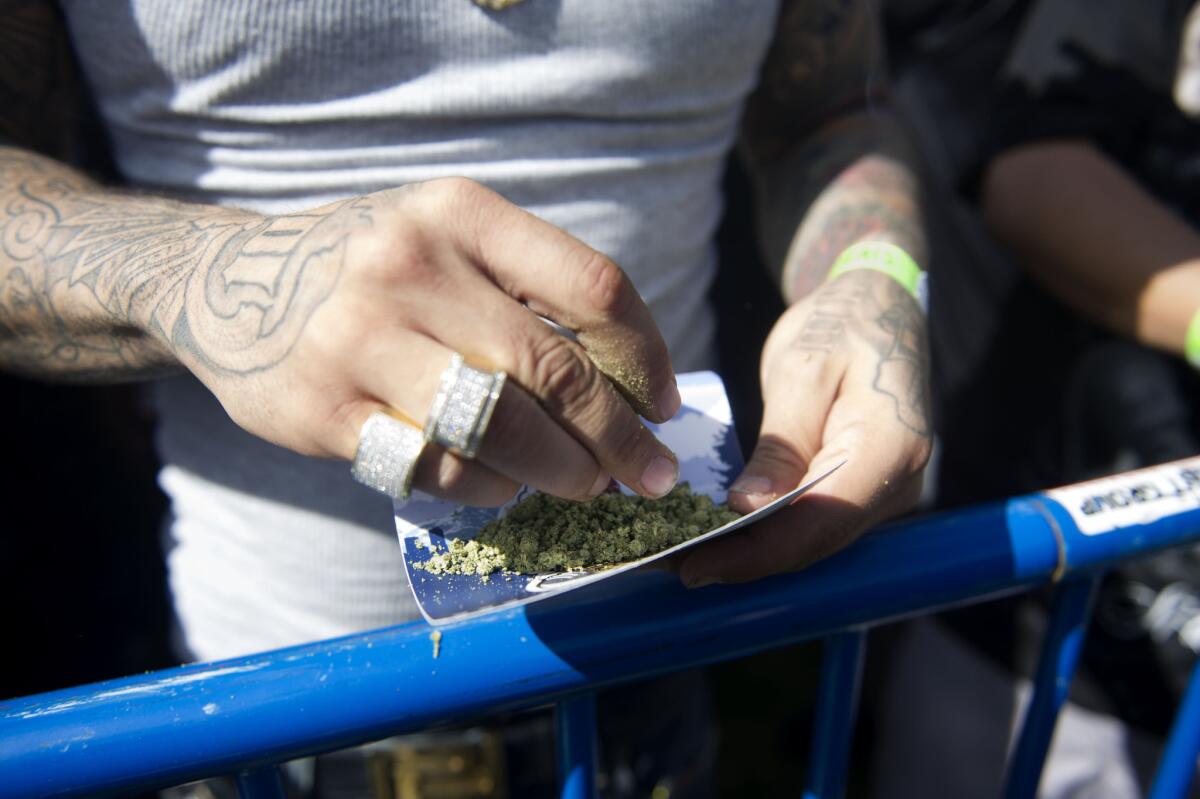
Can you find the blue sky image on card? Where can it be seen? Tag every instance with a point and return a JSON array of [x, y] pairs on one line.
[[702, 437]]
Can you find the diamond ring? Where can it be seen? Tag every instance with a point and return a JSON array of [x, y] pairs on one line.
[[463, 406], [388, 450]]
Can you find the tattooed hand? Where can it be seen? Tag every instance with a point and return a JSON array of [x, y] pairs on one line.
[[844, 377], [415, 274], [304, 324], [845, 369]]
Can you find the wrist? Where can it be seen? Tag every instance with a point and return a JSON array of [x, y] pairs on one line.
[[887, 259], [180, 263]]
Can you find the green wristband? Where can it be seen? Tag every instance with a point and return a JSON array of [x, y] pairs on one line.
[[891, 261], [1191, 345]]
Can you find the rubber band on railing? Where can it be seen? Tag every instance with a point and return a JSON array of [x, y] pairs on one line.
[[1060, 542]]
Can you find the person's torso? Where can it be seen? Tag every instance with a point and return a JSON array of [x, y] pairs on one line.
[[610, 119]]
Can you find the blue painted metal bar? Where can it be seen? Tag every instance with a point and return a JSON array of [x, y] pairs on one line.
[[1177, 769], [1148, 510], [180, 724], [575, 719], [261, 783], [1061, 648], [199, 720], [837, 707]]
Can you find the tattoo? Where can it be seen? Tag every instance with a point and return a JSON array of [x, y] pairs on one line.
[[882, 314], [825, 327], [101, 284], [830, 167], [874, 198], [96, 284]]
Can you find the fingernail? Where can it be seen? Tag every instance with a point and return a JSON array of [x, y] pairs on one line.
[[700, 582], [600, 486], [751, 484], [660, 476], [669, 401]]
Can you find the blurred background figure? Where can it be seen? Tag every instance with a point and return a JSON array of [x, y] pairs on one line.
[[1064, 139]]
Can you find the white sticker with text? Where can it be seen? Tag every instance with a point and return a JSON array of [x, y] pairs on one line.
[[1141, 497]]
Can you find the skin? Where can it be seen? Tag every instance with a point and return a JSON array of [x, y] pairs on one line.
[[1089, 233], [844, 371], [304, 324]]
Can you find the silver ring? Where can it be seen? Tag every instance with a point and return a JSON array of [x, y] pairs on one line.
[[463, 406], [388, 450]]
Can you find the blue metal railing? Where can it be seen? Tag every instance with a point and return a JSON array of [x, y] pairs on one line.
[[1060, 654], [244, 715], [833, 724]]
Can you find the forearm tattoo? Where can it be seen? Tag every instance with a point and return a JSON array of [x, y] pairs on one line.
[[873, 197], [97, 284], [831, 166], [884, 315]]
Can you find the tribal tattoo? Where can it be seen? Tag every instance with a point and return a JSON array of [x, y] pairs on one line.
[[95, 283], [99, 284]]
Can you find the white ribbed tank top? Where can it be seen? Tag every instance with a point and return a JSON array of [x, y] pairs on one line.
[[611, 119]]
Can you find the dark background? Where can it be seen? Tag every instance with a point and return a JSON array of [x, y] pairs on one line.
[[83, 592]]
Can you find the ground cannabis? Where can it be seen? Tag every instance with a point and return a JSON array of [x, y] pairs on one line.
[[547, 534]]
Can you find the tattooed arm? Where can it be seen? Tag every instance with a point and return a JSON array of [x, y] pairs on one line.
[[303, 325], [845, 369], [831, 165], [38, 92], [91, 281]]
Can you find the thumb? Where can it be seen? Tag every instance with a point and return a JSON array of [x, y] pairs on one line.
[[789, 437]]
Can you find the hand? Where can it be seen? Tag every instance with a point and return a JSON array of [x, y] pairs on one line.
[[305, 324], [844, 377]]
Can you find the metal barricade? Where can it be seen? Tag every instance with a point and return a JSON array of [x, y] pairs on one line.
[[243, 716]]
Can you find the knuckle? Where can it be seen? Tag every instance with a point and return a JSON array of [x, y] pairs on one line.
[[605, 286], [562, 377], [921, 454], [776, 458], [409, 266], [461, 208], [456, 193], [399, 257]]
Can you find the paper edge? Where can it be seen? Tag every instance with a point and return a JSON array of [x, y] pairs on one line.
[[756, 515]]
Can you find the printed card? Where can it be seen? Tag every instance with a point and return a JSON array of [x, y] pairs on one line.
[[701, 435]]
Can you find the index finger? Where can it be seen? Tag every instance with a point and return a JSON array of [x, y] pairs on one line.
[[559, 277]]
